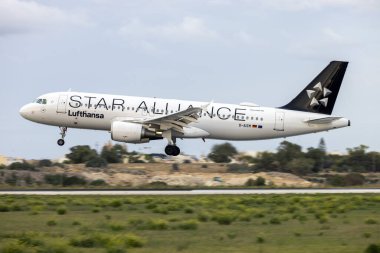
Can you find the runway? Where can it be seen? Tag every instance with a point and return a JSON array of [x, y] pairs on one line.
[[191, 192]]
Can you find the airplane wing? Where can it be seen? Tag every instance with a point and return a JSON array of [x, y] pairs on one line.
[[324, 120], [176, 121]]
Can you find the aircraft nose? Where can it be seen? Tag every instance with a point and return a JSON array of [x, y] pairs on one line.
[[24, 111]]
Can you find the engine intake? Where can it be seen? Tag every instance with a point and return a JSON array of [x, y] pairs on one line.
[[130, 132]]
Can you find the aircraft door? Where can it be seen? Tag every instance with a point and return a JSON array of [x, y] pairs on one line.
[[61, 106], [279, 121]]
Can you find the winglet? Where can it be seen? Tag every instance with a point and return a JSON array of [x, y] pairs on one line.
[[204, 107]]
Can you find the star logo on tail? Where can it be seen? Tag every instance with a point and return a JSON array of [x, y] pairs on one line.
[[311, 94]]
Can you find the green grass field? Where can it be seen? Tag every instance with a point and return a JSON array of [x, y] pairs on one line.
[[258, 223]]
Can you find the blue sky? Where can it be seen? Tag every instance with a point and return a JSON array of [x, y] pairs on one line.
[[261, 51]]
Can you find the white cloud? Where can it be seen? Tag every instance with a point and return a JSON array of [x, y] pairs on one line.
[[297, 5], [326, 42], [189, 29], [18, 16], [333, 35]]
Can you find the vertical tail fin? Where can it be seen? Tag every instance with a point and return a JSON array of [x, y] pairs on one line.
[[320, 95]]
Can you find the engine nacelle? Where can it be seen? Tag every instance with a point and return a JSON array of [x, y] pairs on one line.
[[129, 132]]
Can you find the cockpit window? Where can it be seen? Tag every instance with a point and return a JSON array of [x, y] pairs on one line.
[[41, 101]]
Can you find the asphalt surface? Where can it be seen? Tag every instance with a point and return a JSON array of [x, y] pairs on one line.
[[190, 192]]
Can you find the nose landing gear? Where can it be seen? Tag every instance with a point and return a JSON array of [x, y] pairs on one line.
[[61, 141]]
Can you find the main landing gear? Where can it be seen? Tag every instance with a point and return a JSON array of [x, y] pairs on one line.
[[61, 141], [172, 150]]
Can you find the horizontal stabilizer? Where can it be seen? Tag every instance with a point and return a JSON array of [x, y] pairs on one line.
[[325, 120]]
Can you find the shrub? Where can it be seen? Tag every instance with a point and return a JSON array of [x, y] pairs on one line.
[[73, 180], [98, 182], [158, 224], [61, 210], [116, 249], [53, 248], [29, 240], [224, 218], [116, 227], [54, 179], [203, 216], [189, 210], [372, 248], [51, 223], [350, 179], [260, 181], [45, 163], [371, 221], [367, 235], [97, 162], [134, 241], [116, 203], [4, 208], [21, 166], [14, 248], [260, 239], [275, 221], [188, 225], [162, 210], [76, 223], [64, 180], [86, 242]]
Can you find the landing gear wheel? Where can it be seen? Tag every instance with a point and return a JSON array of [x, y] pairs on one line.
[[169, 149], [176, 151], [172, 150], [61, 142]]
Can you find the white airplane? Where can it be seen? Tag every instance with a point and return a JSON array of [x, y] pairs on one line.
[[142, 119]]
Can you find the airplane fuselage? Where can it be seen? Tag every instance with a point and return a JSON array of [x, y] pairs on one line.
[[218, 121], [142, 119]]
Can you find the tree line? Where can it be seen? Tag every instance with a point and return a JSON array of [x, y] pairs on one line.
[[290, 157]]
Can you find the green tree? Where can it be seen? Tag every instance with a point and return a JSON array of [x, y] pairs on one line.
[[357, 159], [300, 166], [286, 152], [81, 154], [113, 154], [266, 161], [97, 162], [318, 157], [21, 166], [222, 153]]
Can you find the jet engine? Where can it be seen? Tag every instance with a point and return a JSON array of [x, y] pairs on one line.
[[131, 132]]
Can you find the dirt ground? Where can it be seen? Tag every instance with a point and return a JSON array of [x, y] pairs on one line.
[[187, 175]]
